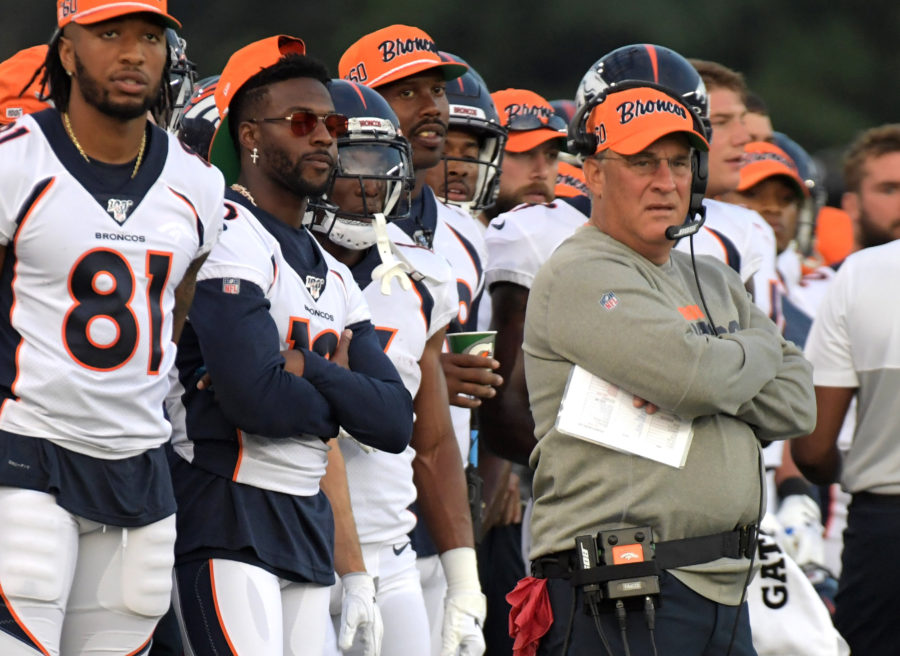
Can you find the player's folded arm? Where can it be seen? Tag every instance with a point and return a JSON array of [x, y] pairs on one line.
[[240, 347], [369, 400]]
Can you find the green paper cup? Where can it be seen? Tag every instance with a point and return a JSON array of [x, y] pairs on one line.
[[474, 343]]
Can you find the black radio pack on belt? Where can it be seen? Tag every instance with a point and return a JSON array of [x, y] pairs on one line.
[[617, 565], [626, 562], [618, 570]]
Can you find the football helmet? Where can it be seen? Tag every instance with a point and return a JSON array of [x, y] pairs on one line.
[[199, 117], [646, 62], [564, 108], [472, 110], [182, 76], [374, 173], [667, 71], [812, 178]]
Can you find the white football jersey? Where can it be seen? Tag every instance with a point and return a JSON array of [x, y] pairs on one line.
[[755, 243], [88, 285], [521, 240], [805, 288], [307, 310], [458, 238], [381, 484]]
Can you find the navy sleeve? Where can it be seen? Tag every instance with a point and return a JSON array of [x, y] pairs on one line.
[[370, 401], [240, 348]]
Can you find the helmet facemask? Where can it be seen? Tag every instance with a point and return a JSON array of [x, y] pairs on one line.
[[491, 140], [182, 77], [374, 176]]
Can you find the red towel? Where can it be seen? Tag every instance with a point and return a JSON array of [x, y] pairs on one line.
[[531, 615]]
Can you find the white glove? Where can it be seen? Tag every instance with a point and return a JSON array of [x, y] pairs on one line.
[[801, 519], [464, 605], [360, 618]]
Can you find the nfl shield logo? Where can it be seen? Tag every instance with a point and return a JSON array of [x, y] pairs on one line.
[[609, 301], [231, 285], [315, 284]]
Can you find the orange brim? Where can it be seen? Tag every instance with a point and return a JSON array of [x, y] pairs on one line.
[[109, 12], [450, 71], [755, 172], [520, 142], [638, 141]]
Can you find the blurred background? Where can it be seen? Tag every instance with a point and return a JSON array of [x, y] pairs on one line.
[[826, 71]]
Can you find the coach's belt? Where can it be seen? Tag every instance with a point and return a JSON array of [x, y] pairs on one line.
[[739, 543]]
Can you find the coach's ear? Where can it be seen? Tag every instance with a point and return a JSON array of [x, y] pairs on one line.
[[594, 175]]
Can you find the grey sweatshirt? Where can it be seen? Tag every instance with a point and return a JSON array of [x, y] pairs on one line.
[[601, 305]]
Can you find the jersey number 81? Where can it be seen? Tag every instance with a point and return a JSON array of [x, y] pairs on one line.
[[100, 330]]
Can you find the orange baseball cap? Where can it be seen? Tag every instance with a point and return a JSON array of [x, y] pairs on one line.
[[17, 73], [631, 119], [241, 66], [529, 118], [570, 181], [393, 53], [86, 12], [763, 160]]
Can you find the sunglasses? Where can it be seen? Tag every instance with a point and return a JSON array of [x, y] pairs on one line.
[[523, 122], [303, 122]]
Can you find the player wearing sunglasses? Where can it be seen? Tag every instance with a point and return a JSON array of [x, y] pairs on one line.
[[536, 136], [304, 121], [279, 358]]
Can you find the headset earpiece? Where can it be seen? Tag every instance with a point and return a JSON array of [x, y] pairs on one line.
[[580, 141]]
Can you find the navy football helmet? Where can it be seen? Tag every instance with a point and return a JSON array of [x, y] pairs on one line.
[[182, 76], [472, 110], [374, 173], [199, 117], [815, 184], [646, 62]]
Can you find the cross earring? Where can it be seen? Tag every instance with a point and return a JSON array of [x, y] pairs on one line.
[[254, 155]]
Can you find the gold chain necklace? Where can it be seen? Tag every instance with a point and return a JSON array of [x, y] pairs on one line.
[[140, 156], [242, 190]]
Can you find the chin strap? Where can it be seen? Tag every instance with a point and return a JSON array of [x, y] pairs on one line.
[[390, 267]]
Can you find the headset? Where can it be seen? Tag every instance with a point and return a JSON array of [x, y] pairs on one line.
[[584, 143]]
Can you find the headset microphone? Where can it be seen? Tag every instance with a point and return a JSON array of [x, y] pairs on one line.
[[689, 227]]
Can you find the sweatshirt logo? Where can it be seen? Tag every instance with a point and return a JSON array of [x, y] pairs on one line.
[[609, 301]]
